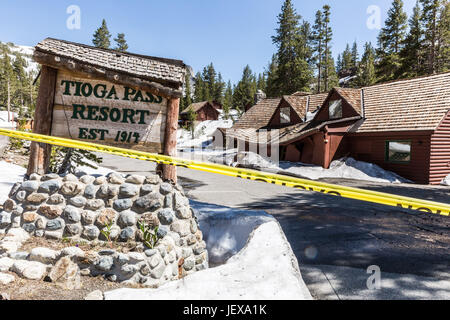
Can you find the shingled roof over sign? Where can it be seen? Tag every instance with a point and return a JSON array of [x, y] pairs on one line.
[[167, 72]]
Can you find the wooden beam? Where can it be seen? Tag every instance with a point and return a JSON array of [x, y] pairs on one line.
[[92, 72], [40, 152], [169, 173]]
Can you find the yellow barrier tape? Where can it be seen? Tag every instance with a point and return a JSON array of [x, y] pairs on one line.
[[293, 182]]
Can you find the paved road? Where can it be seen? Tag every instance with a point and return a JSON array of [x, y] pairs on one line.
[[336, 239]]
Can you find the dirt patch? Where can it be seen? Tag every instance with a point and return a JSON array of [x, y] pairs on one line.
[[22, 289], [18, 157]]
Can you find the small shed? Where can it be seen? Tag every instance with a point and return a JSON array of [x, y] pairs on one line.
[[205, 110]]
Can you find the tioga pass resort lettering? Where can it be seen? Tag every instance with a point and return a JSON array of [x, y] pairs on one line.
[[104, 113]]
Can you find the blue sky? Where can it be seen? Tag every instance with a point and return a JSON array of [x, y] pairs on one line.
[[229, 33]]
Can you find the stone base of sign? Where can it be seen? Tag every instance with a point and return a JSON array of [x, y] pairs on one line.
[[91, 209]]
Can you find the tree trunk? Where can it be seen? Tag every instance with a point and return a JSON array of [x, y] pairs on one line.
[[8, 103]]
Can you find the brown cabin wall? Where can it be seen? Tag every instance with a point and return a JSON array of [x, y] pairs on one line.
[[440, 152], [371, 147], [207, 113]]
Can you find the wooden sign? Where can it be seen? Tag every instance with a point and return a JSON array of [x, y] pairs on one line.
[[106, 113], [107, 97]]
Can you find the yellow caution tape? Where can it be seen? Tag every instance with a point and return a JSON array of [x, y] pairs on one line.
[[277, 179]]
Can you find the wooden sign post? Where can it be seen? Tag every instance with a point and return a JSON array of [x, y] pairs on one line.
[[107, 97]]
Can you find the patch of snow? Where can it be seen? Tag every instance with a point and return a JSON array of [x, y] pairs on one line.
[[346, 79], [264, 269], [4, 120], [446, 181], [203, 133], [233, 115], [9, 175], [226, 230], [347, 168]]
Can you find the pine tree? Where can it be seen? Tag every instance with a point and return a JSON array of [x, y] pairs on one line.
[[443, 44], [318, 39], [20, 83], [430, 23], [187, 98], [228, 100], [329, 70], [390, 41], [199, 88], [219, 87], [366, 68], [102, 37], [66, 160], [7, 83], [245, 90], [272, 89], [121, 43], [261, 82], [411, 53], [293, 72], [347, 59], [339, 63], [209, 79], [355, 56]]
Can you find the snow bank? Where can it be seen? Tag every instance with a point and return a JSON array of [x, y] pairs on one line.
[[226, 231], [347, 168], [265, 268], [9, 175], [203, 133], [233, 114]]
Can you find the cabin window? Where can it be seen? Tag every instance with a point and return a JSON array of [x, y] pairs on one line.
[[398, 151], [285, 115], [335, 109]]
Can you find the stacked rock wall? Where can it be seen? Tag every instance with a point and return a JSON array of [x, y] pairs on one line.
[[79, 207]]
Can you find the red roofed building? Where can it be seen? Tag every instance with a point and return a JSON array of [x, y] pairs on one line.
[[402, 126]]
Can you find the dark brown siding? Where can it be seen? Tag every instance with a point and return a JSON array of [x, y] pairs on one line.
[[371, 147], [440, 152], [207, 113], [275, 121]]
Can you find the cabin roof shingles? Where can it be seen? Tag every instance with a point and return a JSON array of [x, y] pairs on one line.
[[298, 103], [352, 96], [316, 100], [153, 68], [415, 104], [259, 115]]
